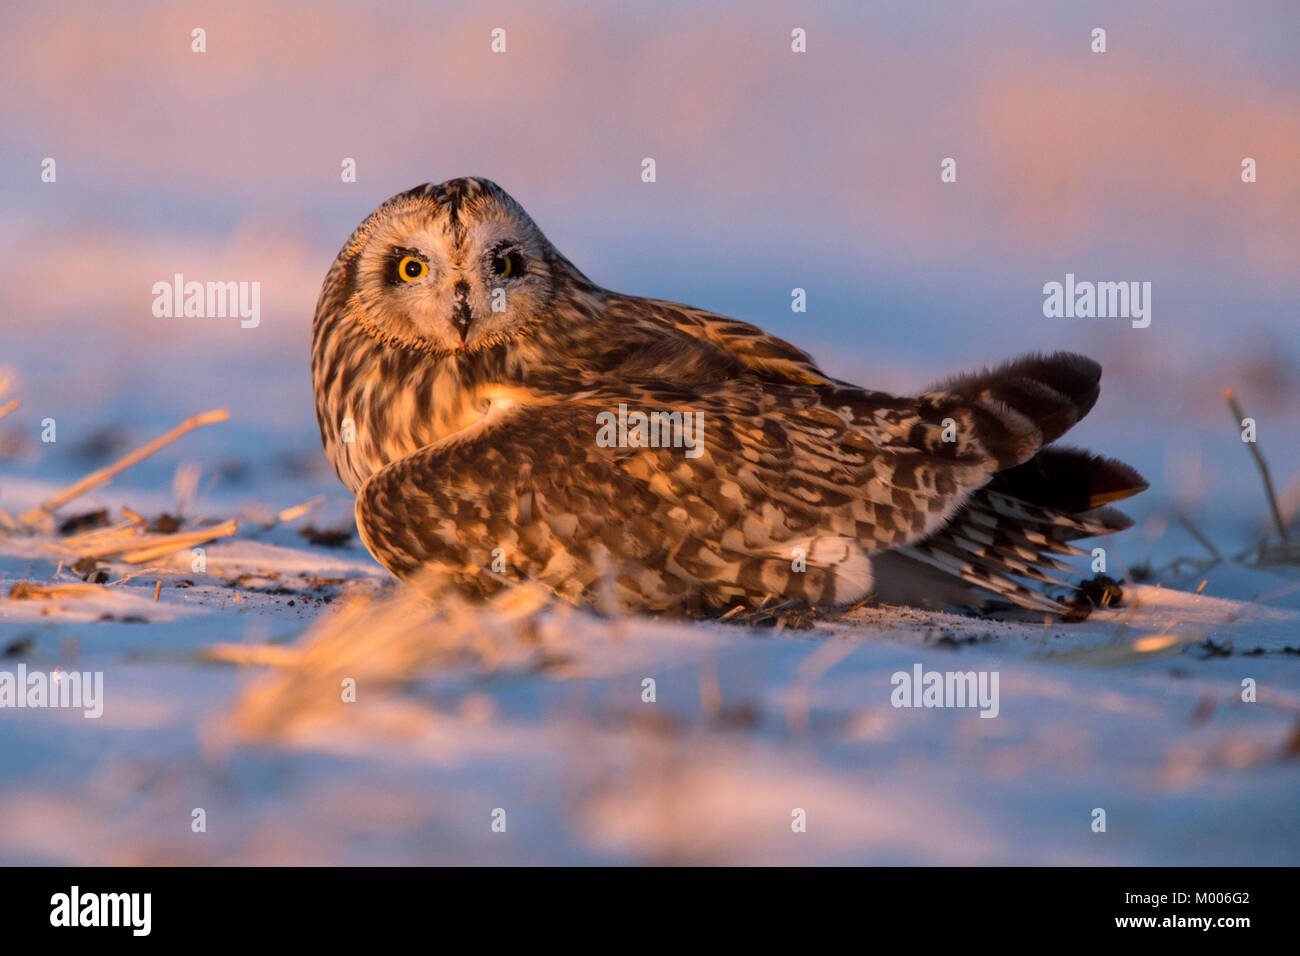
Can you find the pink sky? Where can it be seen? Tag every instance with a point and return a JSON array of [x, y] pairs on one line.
[[775, 169]]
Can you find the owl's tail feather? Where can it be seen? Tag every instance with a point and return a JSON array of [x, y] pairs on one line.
[[1010, 531], [1070, 480], [1024, 404]]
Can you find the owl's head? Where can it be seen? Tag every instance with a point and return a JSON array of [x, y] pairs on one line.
[[453, 267]]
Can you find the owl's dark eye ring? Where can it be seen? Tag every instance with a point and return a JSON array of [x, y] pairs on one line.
[[507, 264], [410, 268]]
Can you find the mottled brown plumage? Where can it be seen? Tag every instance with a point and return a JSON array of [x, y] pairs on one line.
[[462, 367]]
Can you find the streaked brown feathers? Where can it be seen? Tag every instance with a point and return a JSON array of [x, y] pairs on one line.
[[473, 448]]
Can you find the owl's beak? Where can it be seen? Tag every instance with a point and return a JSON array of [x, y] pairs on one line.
[[462, 319], [462, 316]]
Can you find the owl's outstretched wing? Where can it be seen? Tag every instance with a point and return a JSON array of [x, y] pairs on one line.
[[763, 354], [776, 489]]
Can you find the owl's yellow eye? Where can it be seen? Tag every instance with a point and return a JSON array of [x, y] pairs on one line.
[[410, 268], [507, 264]]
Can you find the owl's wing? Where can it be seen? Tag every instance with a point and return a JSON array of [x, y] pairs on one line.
[[771, 490], [763, 354]]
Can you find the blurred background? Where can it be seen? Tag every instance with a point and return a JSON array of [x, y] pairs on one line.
[[775, 170]]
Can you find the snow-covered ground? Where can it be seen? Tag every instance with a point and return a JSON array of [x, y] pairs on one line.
[[224, 693]]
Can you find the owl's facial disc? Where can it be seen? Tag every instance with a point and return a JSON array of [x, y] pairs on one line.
[[453, 280]]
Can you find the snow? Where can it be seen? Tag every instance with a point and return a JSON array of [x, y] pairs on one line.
[[538, 711]]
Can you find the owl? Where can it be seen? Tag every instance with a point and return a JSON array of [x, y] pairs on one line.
[[500, 417]]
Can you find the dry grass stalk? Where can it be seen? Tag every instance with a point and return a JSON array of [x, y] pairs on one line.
[[1263, 466], [267, 655], [7, 522], [125, 542], [1120, 654], [297, 511], [1196, 533], [798, 702], [95, 537], [152, 547], [148, 572], [101, 477], [379, 644], [135, 518], [30, 590]]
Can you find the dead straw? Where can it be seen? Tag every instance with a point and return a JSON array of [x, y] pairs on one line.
[[104, 475], [1263, 466]]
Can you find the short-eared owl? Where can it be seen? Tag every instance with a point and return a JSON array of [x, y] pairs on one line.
[[501, 417]]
